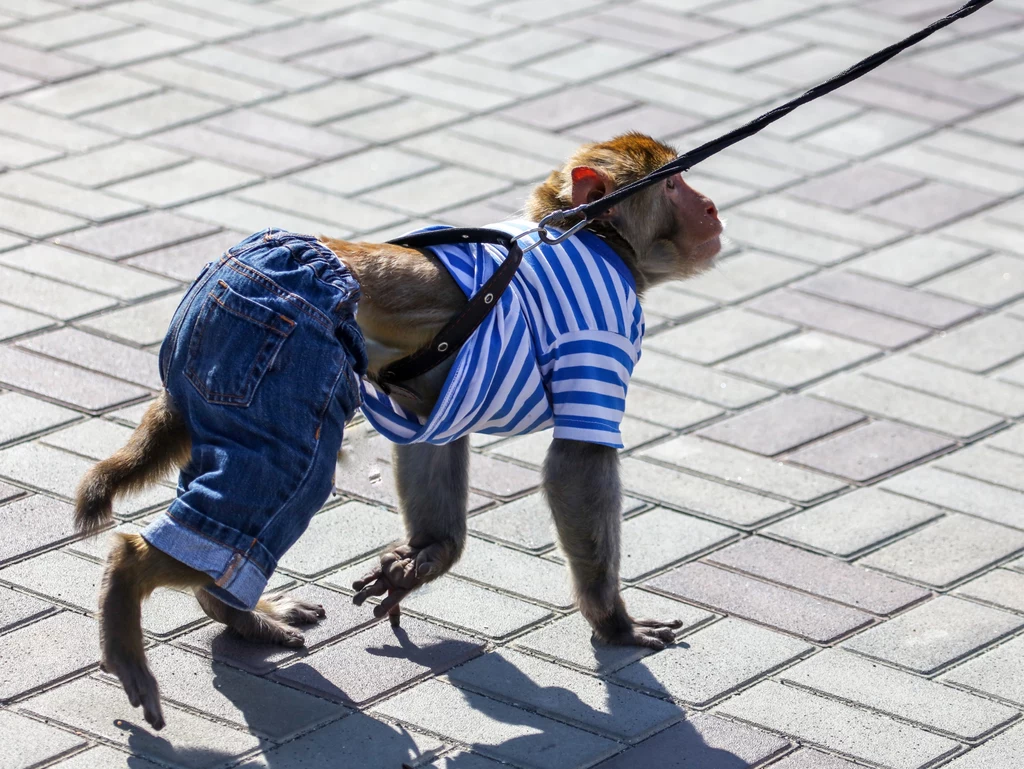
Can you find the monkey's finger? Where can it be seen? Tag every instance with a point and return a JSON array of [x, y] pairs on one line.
[[673, 623], [380, 587], [391, 602], [372, 576]]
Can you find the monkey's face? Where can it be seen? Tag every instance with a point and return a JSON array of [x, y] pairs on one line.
[[698, 228]]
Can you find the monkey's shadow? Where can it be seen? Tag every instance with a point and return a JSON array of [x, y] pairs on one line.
[[680, 746]]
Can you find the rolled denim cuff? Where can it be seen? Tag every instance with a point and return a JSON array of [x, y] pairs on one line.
[[238, 580]]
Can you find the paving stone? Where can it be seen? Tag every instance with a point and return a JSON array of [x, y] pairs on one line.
[[109, 164], [495, 729], [449, 186], [28, 743], [996, 673], [868, 134], [805, 758], [283, 134], [930, 205], [986, 464], [681, 377], [220, 644], [131, 46], [93, 274], [988, 282], [49, 297], [75, 582], [15, 322], [88, 204], [56, 132], [20, 609], [356, 740], [962, 387], [566, 695], [479, 155], [183, 184], [721, 335], [567, 108], [698, 495], [1000, 750], [795, 613], [58, 473], [21, 416], [526, 523], [713, 662], [781, 425], [328, 207], [957, 492], [742, 468], [102, 757], [339, 535], [879, 296], [667, 409], [979, 346], [870, 451], [800, 359], [185, 260], [250, 703], [473, 608], [854, 522], [658, 538], [35, 221], [702, 741], [32, 523], [154, 113], [934, 635], [745, 275], [462, 760], [836, 726], [143, 324], [848, 227], [44, 65], [839, 674], [376, 661], [570, 639], [916, 259], [67, 641], [859, 325], [98, 354], [63, 383], [1011, 440], [515, 572], [999, 587], [855, 187], [137, 235], [888, 400], [188, 741], [501, 479], [365, 170], [818, 575]]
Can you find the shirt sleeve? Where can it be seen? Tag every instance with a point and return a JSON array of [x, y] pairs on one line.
[[589, 379]]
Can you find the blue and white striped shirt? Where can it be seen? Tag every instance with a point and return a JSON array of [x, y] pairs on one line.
[[557, 350]]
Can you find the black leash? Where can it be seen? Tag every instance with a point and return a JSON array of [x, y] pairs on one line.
[[459, 329], [686, 161]]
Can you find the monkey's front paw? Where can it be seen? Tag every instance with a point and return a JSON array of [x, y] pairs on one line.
[[649, 633], [400, 572]]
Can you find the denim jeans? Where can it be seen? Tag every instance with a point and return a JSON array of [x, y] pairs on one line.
[[262, 360]]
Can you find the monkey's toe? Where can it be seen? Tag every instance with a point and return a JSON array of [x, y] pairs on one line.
[[292, 611]]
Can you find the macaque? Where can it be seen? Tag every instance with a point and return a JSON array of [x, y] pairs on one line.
[[666, 232]]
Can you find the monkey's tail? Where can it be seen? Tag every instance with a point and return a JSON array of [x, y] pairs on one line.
[[158, 444]]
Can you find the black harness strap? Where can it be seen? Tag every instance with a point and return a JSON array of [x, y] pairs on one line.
[[458, 329]]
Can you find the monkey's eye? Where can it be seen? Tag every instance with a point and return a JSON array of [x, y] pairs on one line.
[[670, 184]]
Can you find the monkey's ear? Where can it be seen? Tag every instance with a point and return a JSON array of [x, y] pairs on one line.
[[588, 185]]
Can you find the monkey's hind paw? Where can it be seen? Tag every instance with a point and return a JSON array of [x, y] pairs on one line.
[[141, 687], [292, 611], [649, 633]]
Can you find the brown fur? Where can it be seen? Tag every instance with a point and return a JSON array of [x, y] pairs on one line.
[[160, 444], [407, 296]]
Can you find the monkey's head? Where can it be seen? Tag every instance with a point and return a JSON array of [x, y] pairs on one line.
[[664, 232]]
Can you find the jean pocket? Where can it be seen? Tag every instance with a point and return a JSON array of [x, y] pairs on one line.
[[234, 342]]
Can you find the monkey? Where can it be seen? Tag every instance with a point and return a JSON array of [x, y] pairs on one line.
[[313, 357]]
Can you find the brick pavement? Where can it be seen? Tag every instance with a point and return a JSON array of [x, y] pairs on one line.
[[825, 458]]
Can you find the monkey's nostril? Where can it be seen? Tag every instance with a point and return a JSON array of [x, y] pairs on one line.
[[712, 211]]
